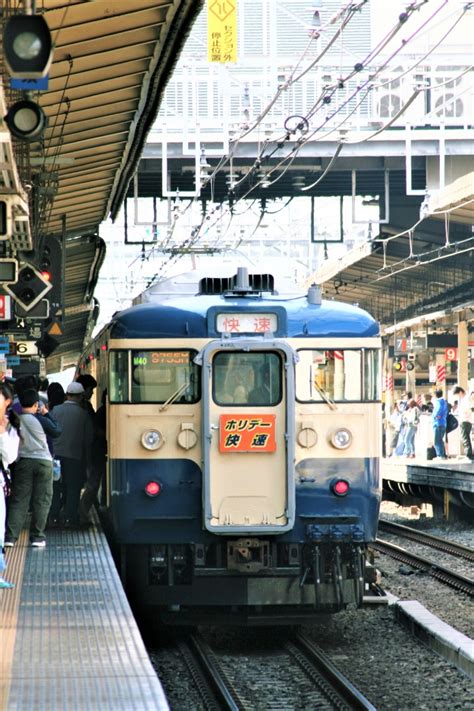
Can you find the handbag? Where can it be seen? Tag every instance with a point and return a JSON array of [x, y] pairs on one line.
[[451, 422]]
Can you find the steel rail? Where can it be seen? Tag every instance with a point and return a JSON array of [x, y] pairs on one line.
[[449, 577], [442, 544], [226, 696], [340, 691]]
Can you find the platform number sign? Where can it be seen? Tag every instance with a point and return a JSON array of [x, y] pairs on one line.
[[451, 354], [401, 346]]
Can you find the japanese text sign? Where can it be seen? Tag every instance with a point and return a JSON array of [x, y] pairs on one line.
[[247, 433], [246, 322], [222, 31]]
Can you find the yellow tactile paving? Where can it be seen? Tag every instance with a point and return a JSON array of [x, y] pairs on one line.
[[9, 606]]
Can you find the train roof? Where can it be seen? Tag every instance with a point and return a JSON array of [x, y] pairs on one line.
[[194, 317]]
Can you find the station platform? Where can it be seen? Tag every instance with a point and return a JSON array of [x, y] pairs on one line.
[[447, 484], [443, 473], [68, 636]]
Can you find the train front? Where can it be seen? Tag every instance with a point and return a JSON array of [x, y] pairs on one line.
[[254, 486]]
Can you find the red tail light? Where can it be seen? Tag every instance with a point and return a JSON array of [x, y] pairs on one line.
[[152, 488], [340, 487]]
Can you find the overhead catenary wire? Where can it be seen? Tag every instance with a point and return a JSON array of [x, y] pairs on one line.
[[264, 156]]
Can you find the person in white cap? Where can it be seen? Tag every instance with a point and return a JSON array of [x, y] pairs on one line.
[[72, 448]]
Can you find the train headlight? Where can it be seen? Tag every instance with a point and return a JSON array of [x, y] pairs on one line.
[[341, 438], [152, 439]]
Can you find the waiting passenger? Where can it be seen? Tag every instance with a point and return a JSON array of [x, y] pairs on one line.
[[466, 417], [439, 417], [73, 448], [56, 395], [97, 466], [411, 419], [9, 443], [33, 478]]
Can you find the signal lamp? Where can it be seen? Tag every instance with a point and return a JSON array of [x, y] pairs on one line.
[[30, 287], [410, 365], [26, 120], [46, 275], [153, 488], [398, 366], [340, 487], [27, 46]]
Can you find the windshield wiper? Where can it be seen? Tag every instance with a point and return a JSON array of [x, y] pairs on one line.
[[172, 398], [325, 396]]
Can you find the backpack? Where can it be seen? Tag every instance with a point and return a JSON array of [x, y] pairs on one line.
[[451, 422]]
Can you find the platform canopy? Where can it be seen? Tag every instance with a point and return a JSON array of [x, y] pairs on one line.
[[401, 275], [110, 65]]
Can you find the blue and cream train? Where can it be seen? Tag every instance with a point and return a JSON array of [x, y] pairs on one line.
[[244, 435]]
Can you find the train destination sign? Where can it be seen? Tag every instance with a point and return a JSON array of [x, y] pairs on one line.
[[247, 433], [146, 358], [246, 323]]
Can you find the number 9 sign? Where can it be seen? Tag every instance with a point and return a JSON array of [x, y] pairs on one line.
[[451, 354]]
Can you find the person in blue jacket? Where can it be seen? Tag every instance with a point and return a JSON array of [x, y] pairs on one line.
[[439, 417]]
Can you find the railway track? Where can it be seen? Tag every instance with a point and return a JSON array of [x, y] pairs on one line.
[[219, 691], [456, 549], [440, 572]]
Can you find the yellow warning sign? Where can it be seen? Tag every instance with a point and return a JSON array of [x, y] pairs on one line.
[[55, 329], [222, 31]]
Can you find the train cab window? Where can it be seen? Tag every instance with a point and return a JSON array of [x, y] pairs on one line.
[[161, 376], [247, 379], [341, 375]]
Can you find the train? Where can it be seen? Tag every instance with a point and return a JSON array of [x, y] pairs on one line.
[[244, 439]]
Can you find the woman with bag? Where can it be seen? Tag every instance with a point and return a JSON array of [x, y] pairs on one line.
[[9, 443]]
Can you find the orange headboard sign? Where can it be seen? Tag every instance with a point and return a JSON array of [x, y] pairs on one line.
[[247, 433]]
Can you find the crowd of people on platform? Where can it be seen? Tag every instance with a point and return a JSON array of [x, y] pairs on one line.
[[403, 422], [52, 458]]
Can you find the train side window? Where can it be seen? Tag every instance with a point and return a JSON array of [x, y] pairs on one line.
[[251, 378], [348, 375], [372, 379], [118, 376]]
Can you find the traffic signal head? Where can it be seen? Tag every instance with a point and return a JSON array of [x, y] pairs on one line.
[[398, 366], [30, 288], [27, 46], [26, 120], [50, 265], [45, 264]]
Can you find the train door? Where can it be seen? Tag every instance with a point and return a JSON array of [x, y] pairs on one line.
[[248, 436]]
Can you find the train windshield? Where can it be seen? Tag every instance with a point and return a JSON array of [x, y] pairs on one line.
[[149, 376], [340, 375], [250, 378]]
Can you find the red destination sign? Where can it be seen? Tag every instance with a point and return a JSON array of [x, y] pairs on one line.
[[247, 433]]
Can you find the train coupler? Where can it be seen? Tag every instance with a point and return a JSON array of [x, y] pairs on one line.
[[248, 555]]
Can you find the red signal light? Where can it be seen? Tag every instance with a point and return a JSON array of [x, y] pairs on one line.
[[152, 488], [46, 275], [340, 487], [103, 347]]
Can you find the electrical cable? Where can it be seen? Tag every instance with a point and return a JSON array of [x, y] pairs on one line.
[[292, 155]]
